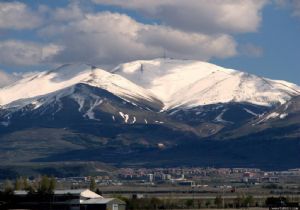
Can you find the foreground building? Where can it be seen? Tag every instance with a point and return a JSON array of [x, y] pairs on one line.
[[81, 199]]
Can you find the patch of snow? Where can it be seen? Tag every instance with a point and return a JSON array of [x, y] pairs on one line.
[[287, 106], [284, 115], [90, 113], [80, 100], [134, 120], [272, 115], [124, 116], [174, 112], [5, 123], [36, 104], [161, 145], [160, 122], [251, 112], [220, 119]]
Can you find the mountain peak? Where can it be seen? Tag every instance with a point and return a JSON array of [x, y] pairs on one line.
[[172, 82], [68, 75], [189, 83]]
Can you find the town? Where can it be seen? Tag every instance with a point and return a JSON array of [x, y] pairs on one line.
[[208, 187], [196, 178]]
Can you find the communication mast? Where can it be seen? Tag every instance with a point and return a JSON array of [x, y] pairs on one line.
[[142, 68]]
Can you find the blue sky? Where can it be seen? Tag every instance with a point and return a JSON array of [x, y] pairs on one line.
[[257, 36], [279, 39]]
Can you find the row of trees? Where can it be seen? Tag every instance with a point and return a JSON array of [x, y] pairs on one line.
[[156, 203], [44, 185]]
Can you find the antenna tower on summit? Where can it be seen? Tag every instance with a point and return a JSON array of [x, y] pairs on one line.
[[142, 68]]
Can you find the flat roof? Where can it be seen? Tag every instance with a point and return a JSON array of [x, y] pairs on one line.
[[80, 192], [101, 201]]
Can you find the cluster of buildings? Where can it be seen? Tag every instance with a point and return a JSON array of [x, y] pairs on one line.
[[190, 176], [162, 173], [84, 181], [66, 199]]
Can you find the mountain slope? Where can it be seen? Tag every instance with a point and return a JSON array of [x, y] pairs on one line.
[[85, 117], [79, 104], [282, 122], [65, 76], [145, 112], [186, 83], [286, 114]]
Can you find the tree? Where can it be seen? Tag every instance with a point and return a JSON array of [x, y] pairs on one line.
[[46, 185], [199, 204], [8, 187], [238, 201], [98, 191], [189, 203], [26, 185], [248, 201], [207, 203], [93, 184], [19, 184], [274, 201], [218, 201], [154, 203]]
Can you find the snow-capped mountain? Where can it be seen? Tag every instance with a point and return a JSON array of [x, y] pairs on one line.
[[189, 92], [285, 115], [31, 88], [282, 122], [188, 83], [168, 83], [144, 109]]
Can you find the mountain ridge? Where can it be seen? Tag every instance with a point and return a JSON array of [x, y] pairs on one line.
[[191, 83], [173, 83], [121, 117]]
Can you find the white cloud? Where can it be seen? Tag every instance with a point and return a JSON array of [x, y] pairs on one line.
[[294, 5], [187, 45], [251, 50], [191, 29], [110, 38], [14, 52], [71, 12], [7, 79], [296, 8], [209, 16], [16, 15]]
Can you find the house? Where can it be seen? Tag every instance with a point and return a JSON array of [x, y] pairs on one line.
[[80, 199], [103, 204]]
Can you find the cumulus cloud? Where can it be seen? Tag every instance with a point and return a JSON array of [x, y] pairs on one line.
[[14, 52], [71, 12], [179, 44], [6, 78], [294, 5], [209, 16], [16, 15], [9, 78], [251, 50], [296, 8], [191, 29], [110, 38]]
